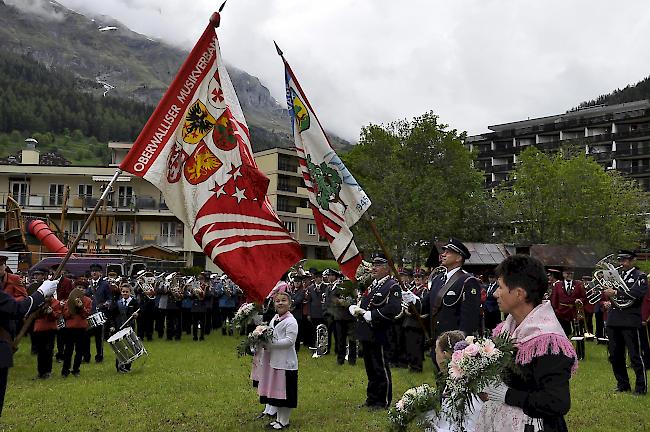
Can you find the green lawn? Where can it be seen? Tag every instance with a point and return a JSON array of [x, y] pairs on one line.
[[204, 386]]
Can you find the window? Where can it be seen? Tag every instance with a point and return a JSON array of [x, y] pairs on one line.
[[284, 184], [283, 203], [75, 228], [56, 194], [287, 163], [85, 191], [168, 233], [124, 232], [2, 224], [19, 191], [311, 229], [124, 196], [291, 226]]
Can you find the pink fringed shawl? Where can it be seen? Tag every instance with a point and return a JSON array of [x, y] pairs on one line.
[[537, 335]]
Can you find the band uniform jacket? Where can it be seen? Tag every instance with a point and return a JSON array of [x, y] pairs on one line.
[[282, 351], [100, 292], [316, 300], [564, 302], [47, 322], [10, 310], [121, 313], [461, 305], [637, 284], [410, 321], [384, 301], [12, 285]]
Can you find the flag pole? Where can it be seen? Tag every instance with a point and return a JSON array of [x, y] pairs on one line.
[[391, 264], [83, 229]]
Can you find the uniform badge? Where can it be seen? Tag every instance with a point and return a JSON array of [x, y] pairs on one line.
[[630, 280], [451, 293], [396, 294], [473, 291]]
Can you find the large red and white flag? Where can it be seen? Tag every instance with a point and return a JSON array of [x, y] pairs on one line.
[[335, 197], [196, 149]]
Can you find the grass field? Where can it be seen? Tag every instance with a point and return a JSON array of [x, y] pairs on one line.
[[204, 386]]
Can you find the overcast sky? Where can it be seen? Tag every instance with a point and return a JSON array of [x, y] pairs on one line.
[[473, 62]]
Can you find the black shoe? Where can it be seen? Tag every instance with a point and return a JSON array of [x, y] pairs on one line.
[[340, 362], [64, 374], [76, 374], [640, 391], [352, 362], [622, 389], [195, 338], [376, 407]]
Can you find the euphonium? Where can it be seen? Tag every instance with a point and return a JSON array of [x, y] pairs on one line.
[[321, 340], [606, 276]]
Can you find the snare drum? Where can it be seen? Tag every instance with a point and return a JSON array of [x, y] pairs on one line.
[[96, 320], [126, 345]]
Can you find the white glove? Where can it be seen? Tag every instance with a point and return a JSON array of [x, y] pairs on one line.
[[409, 297], [48, 287], [367, 316], [356, 310], [496, 392]]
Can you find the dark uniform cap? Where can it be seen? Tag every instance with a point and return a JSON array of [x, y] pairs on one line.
[[38, 271], [406, 272], [418, 273], [458, 247], [626, 254], [379, 259], [94, 267]]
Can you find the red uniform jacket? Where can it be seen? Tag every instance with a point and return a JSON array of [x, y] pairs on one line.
[[78, 320], [48, 322], [563, 303], [14, 286], [64, 289], [645, 308]]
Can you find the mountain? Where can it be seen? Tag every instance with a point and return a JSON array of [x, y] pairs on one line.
[[630, 93], [126, 64]]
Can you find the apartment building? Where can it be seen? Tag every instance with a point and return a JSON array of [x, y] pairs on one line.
[[141, 217], [616, 136]]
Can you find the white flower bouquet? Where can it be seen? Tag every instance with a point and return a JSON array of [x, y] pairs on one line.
[[412, 406], [261, 335], [243, 315]]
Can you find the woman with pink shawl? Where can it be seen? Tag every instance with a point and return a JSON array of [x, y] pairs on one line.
[[535, 395]]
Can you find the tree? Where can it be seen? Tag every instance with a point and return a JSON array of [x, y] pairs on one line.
[[422, 185], [568, 198]]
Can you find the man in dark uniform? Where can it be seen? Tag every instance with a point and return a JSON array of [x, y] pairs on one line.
[[10, 310], [454, 302], [379, 305], [624, 324], [101, 295], [342, 296], [317, 293], [491, 307]]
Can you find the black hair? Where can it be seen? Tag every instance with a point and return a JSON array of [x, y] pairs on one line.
[[527, 273]]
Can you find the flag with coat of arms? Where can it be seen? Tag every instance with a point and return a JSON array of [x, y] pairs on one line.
[[337, 200], [196, 149]]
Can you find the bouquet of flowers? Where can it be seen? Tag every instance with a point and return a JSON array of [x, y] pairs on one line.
[[413, 405], [475, 363], [262, 334], [243, 315]]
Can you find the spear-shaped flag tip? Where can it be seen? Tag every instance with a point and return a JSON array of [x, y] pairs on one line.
[[280, 53]]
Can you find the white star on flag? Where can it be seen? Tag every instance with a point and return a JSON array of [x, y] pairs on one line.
[[239, 194]]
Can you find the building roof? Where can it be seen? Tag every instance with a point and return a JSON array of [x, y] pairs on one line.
[[488, 254], [585, 112], [565, 256]]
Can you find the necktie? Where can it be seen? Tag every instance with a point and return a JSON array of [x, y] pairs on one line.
[[444, 278]]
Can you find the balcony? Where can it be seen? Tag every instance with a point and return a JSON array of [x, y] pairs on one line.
[[504, 151], [507, 167], [132, 240], [635, 170], [53, 203], [641, 150]]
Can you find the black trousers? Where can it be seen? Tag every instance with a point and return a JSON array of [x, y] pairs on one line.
[[4, 372], [74, 342], [145, 324], [173, 320], [344, 334], [600, 325], [414, 343], [98, 334], [645, 346], [589, 319], [186, 320], [397, 353], [227, 313], [380, 386], [44, 342], [621, 338], [159, 317], [198, 320], [307, 331]]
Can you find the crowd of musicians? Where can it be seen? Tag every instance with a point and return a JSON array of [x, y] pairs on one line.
[[387, 323]]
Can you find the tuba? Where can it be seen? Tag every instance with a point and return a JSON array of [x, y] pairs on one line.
[[606, 276], [146, 282], [322, 337]]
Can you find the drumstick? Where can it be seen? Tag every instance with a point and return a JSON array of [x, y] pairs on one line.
[[130, 318]]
